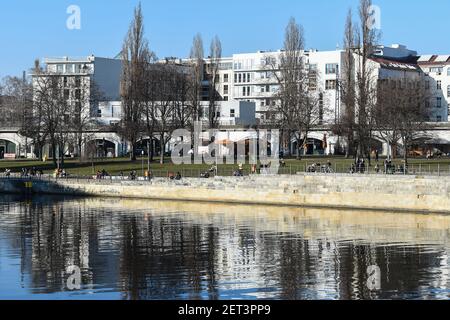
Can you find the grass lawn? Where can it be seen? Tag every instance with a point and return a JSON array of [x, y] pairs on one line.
[[115, 166]]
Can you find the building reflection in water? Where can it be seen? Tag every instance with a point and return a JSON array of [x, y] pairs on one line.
[[163, 250]]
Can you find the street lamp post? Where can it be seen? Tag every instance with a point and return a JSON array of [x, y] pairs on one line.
[[142, 162], [148, 156]]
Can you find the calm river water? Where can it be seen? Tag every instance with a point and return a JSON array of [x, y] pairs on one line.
[[131, 249]]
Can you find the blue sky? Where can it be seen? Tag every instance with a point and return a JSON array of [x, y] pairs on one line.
[[36, 29]]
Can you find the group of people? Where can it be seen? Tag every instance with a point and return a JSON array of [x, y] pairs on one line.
[[176, 176], [102, 174], [60, 173], [26, 172], [390, 168], [359, 166], [319, 168]]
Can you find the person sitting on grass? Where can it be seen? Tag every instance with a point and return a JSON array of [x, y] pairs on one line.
[[178, 176]]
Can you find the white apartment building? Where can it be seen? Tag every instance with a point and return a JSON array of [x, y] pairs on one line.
[[104, 72], [437, 71], [248, 77]]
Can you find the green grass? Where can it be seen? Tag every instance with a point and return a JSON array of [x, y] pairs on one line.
[[115, 166]]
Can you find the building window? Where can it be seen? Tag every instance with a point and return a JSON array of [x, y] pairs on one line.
[[240, 78], [225, 98], [235, 78], [436, 69], [448, 91], [439, 118], [70, 68], [427, 84], [438, 102], [99, 113], [232, 113], [225, 89], [439, 85], [78, 68], [243, 91], [330, 84], [218, 114], [331, 68], [262, 103], [249, 77], [60, 68], [225, 78], [448, 71], [248, 91]]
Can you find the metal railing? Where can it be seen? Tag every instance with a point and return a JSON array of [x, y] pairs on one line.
[[341, 169]]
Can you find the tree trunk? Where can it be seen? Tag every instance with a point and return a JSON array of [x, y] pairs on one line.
[[152, 149], [55, 162], [61, 157], [80, 156], [161, 161], [132, 153], [405, 156]]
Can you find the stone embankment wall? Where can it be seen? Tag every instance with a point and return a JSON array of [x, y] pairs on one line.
[[406, 193]]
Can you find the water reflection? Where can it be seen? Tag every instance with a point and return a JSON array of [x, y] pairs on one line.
[[131, 249]]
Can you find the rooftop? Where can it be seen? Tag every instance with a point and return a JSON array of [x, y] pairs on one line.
[[434, 59]]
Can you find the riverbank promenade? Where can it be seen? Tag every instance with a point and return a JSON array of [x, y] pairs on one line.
[[354, 191]]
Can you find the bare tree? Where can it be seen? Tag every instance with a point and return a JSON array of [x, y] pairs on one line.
[[134, 56], [299, 107], [213, 73], [15, 104], [16, 95], [87, 96], [401, 112], [51, 113], [345, 125], [33, 125], [197, 60], [165, 107], [151, 76], [366, 80]]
